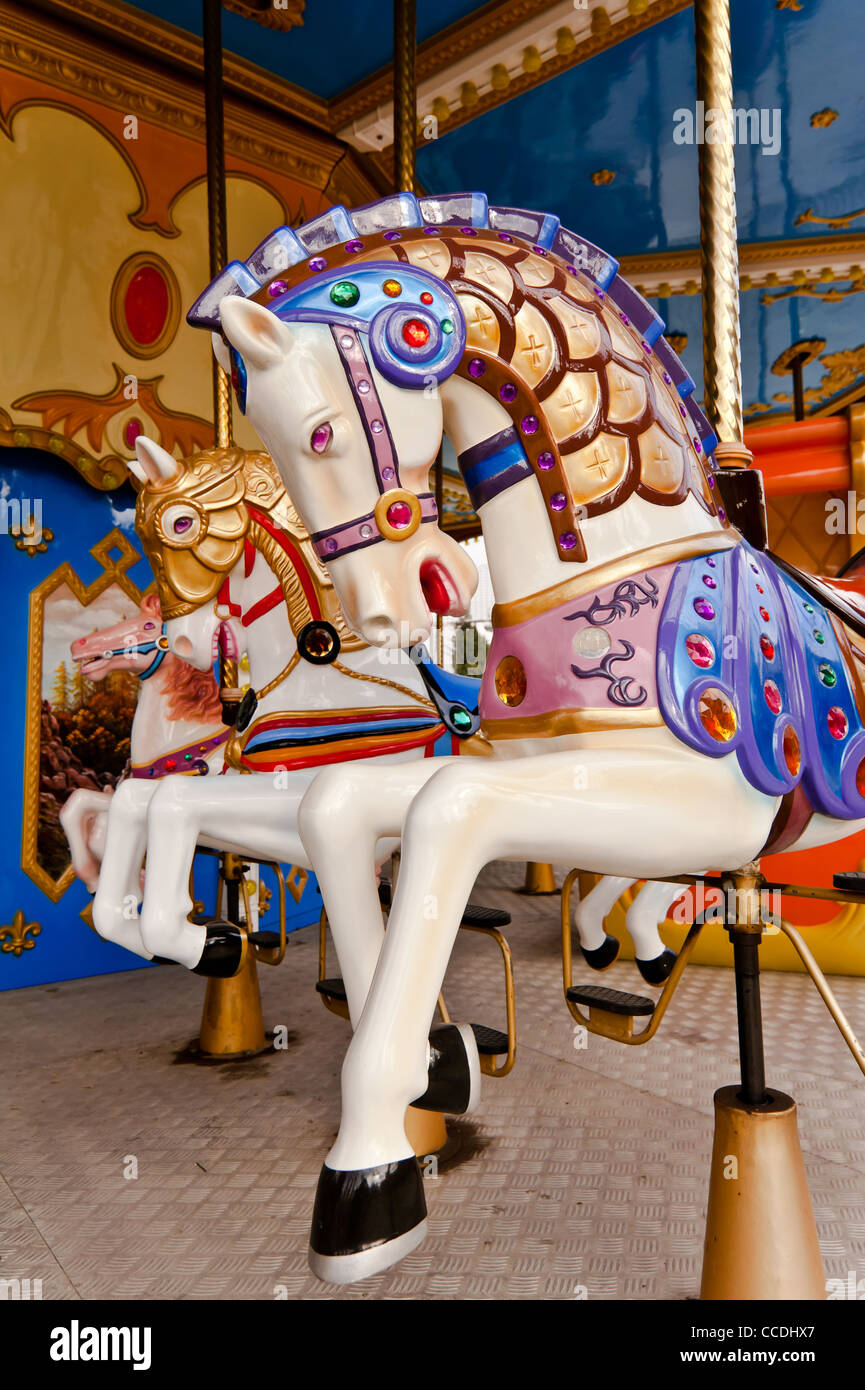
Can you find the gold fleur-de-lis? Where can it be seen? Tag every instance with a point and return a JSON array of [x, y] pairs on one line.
[[14, 936]]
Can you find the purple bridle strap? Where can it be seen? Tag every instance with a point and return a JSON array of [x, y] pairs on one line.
[[354, 535], [364, 530]]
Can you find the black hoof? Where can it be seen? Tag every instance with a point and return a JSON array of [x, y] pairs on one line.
[[365, 1220], [454, 1071], [655, 972], [223, 951], [602, 956]]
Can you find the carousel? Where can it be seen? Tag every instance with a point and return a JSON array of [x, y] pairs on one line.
[[426, 602]]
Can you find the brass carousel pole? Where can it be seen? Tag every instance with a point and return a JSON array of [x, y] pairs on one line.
[[232, 1023], [425, 1129], [761, 1239]]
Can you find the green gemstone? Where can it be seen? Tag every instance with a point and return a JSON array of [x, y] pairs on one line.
[[447, 326], [818, 636], [187, 757], [809, 608], [344, 294], [827, 673], [461, 719]]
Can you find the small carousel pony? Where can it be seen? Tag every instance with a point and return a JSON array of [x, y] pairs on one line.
[[659, 695], [177, 726]]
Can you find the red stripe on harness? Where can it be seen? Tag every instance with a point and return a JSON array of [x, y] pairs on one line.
[[294, 556], [248, 557], [224, 598], [263, 606]]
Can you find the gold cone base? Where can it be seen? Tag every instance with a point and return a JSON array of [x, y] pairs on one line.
[[761, 1239], [426, 1131], [231, 1023], [539, 879]]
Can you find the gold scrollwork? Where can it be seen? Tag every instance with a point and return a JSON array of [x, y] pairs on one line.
[[836, 223], [15, 937], [116, 555]]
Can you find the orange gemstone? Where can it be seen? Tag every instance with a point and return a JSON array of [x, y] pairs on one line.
[[511, 681], [392, 287], [793, 753], [717, 715]]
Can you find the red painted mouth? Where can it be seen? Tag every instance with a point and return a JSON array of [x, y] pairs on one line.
[[438, 588]]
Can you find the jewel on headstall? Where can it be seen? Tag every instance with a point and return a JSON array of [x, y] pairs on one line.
[[717, 714], [399, 515], [767, 648], [415, 333], [837, 721], [700, 650], [477, 367], [352, 247], [529, 424], [772, 696], [318, 263], [558, 501], [827, 673], [567, 540], [508, 392], [792, 751], [510, 681], [276, 287], [344, 294], [545, 460], [703, 608]]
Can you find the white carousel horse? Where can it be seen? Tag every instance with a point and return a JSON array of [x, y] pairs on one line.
[[630, 736], [177, 721]]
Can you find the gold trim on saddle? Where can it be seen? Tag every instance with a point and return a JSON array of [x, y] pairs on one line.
[[667, 552], [554, 723]]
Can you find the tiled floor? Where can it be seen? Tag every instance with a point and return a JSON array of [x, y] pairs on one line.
[[584, 1168]]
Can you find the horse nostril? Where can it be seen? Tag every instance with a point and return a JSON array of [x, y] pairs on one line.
[[183, 648]]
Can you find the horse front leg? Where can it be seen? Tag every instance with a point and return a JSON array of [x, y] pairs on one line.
[[253, 815], [118, 892], [80, 819], [643, 813]]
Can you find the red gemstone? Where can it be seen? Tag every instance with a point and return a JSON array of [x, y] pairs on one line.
[[772, 696], [766, 648], [764, 615], [792, 751], [399, 515], [146, 304], [837, 721], [131, 430], [700, 650], [426, 297], [170, 765], [415, 332], [860, 778]]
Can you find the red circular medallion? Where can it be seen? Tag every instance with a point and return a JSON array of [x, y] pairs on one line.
[[146, 304]]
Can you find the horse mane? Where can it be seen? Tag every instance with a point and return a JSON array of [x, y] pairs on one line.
[[191, 694]]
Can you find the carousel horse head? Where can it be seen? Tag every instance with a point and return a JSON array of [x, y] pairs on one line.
[[354, 339], [137, 645], [340, 376]]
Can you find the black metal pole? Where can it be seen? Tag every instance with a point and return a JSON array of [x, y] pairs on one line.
[[746, 962], [216, 214], [797, 366]]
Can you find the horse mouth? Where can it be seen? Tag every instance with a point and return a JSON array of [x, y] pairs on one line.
[[439, 591], [88, 665]]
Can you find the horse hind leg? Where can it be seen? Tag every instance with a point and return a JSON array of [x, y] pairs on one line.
[[598, 948], [646, 912]]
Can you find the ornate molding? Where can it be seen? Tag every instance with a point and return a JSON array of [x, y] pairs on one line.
[[797, 261], [19, 935], [479, 63]]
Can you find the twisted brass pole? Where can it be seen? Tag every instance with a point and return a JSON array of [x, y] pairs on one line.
[[719, 252], [404, 95], [216, 219]]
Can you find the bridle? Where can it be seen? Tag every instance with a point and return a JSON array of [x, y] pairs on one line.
[[158, 645]]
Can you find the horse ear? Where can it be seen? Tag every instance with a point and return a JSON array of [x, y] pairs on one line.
[[156, 464], [259, 336], [220, 352]]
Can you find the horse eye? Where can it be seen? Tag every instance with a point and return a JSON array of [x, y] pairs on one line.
[[182, 524], [321, 438], [148, 626]]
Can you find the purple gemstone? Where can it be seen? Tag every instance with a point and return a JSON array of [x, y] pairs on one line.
[[647, 347], [276, 287], [697, 445], [572, 270], [503, 236], [567, 540], [710, 562], [539, 250], [376, 426], [468, 231], [388, 474], [508, 392], [529, 424], [363, 386], [599, 292], [755, 568], [668, 378], [722, 515], [331, 544], [431, 231], [354, 246], [710, 480], [477, 367], [709, 582], [703, 608], [682, 411], [558, 501], [318, 263], [392, 236], [624, 318], [545, 460]]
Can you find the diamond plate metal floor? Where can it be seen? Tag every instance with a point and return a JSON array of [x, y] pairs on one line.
[[585, 1170]]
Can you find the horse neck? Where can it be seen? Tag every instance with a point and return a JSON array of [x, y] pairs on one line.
[[154, 731], [375, 678], [518, 538]]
